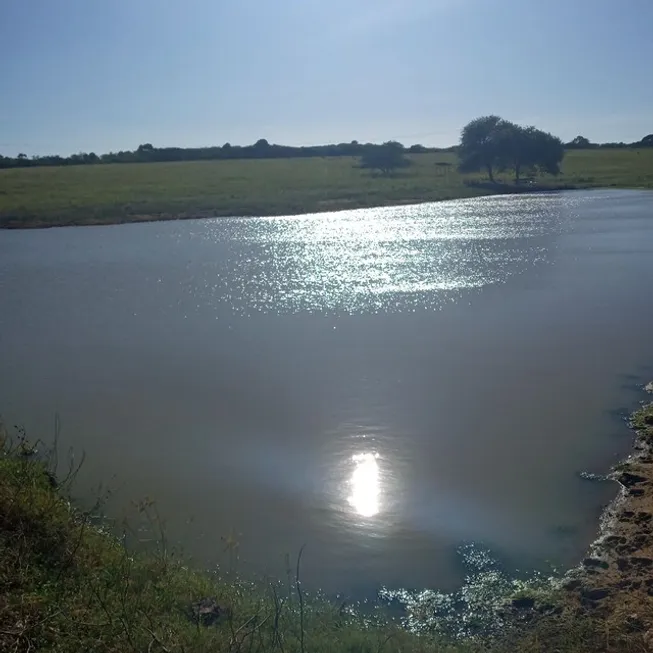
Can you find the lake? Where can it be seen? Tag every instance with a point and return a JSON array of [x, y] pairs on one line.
[[381, 385]]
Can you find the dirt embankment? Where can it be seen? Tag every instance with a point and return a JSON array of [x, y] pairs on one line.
[[615, 581]]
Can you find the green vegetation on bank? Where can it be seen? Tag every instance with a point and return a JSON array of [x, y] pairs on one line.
[[114, 193], [68, 584]]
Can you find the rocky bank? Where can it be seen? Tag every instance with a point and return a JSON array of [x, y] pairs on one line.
[[615, 581]]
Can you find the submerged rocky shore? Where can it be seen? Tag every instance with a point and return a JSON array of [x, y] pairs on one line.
[[615, 581]]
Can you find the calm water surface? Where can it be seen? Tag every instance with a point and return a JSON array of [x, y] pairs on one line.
[[381, 385]]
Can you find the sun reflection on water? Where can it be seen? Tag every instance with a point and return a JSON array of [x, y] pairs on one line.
[[365, 485]]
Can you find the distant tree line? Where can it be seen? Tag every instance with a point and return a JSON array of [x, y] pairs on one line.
[[371, 154], [582, 143], [147, 153]]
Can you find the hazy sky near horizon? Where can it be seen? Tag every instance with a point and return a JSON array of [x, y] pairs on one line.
[[101, 75]]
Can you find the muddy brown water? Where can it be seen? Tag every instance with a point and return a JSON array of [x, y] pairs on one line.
[[381, 385]]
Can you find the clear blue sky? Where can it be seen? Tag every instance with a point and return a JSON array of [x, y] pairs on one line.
[[100, 75]]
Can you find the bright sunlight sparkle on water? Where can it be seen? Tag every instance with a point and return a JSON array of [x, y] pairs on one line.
[[365, 486]]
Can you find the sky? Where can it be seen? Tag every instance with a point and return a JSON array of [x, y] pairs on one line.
[[106, 75]]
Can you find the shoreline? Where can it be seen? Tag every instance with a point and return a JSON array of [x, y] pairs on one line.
[[478, 189], [615, 580], [605, 603]]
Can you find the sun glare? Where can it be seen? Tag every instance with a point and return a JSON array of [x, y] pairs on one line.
[[365, 486]]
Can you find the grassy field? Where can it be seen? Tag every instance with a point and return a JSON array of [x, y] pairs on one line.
[[104, 194]]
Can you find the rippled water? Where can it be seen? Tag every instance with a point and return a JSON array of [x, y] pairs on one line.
[[382, 385], [371, 261]]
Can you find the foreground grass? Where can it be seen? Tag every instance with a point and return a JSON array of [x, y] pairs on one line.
[[67, 585], [105, 194]]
